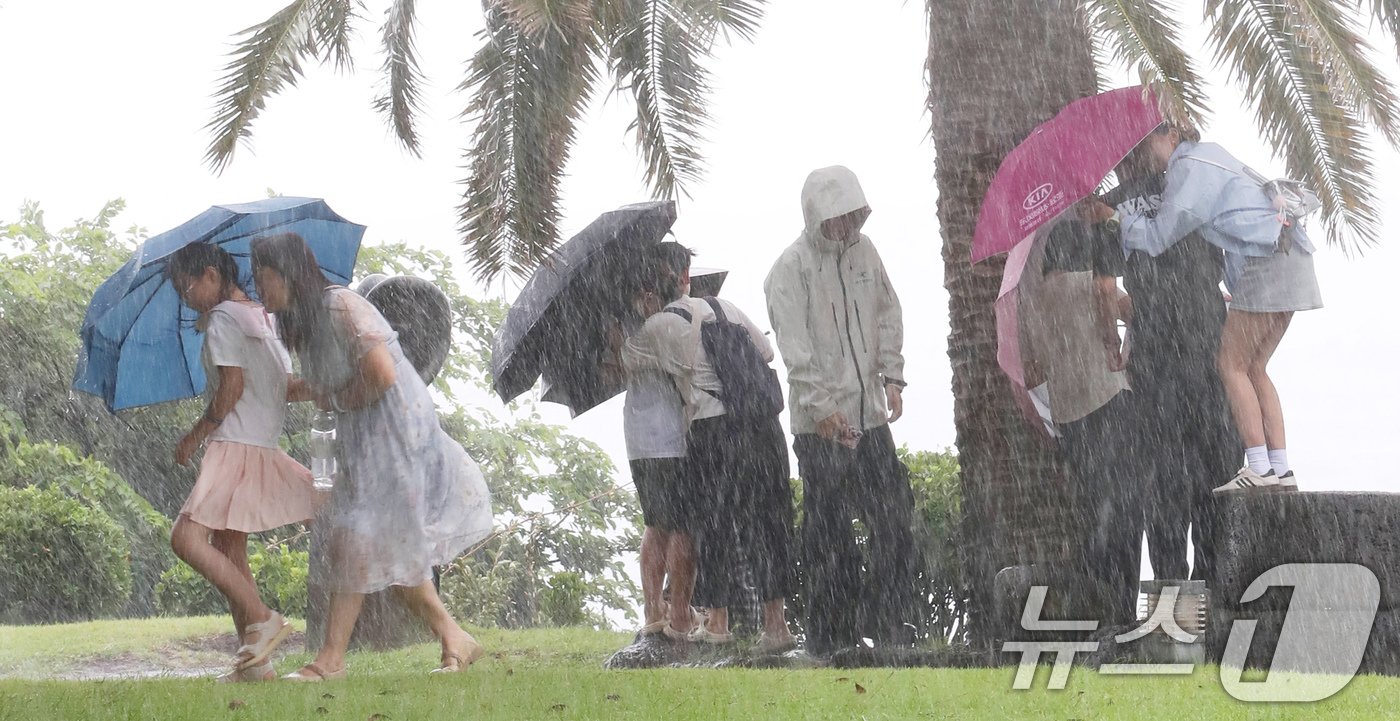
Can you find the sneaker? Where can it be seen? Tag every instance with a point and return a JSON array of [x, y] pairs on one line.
[[1288, 483], [1249, 481]]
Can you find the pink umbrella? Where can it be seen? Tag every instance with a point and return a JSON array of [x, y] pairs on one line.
[[1060, 163], [1009, 331]]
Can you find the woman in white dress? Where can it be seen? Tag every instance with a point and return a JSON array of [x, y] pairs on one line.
[[407, 497]]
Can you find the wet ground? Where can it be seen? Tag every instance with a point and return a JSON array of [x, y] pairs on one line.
[[195, 657]]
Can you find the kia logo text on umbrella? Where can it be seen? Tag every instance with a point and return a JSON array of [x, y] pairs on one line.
[[1038, 196]]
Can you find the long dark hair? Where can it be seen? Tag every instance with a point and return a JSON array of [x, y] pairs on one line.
[[288, 255], [190, 261]]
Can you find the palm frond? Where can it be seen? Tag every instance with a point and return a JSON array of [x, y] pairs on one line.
[[331, 30], [536, 17], [741, 17], [1319, 137], [527, 96], [657, 54], [1387, 13], [400, 100], [267, 60], [1332, 31], [1144, 34]]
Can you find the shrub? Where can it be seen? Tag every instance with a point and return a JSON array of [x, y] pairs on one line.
[[279, 570], [59, 559], [93, 484]]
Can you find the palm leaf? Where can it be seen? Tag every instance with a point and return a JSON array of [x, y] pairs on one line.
[[527, 97], [1303, 119], [1331, 30], [331, 30], [741, 17], [536, 17], [656, 55], [1387, 13], [267, 60], [1145, 35], [401, 101]]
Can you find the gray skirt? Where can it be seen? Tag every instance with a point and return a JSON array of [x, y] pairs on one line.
[[1277, 283]]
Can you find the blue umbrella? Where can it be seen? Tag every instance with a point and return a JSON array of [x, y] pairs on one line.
[[140, 346]]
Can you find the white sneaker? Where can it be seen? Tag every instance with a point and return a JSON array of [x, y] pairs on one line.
[[1288, 483], [1249, 481]]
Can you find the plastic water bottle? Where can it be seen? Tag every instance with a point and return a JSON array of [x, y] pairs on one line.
[[323, 450]]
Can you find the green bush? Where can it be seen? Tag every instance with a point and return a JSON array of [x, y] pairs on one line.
[[280, 573], [59, 559], [90, 482]]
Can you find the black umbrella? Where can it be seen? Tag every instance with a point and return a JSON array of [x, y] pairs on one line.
[[558, 326], [705, 282]]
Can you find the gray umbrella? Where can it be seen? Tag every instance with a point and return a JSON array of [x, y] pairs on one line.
[[557, 327]]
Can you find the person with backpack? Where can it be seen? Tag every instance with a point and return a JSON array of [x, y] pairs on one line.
[[737, 458], [840, 331], [1268, 271]]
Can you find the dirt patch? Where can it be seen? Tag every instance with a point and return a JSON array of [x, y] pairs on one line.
[[194, 657]]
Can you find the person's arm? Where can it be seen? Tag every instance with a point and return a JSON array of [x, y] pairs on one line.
[[364, 332], [1106, 319], [1187, 204], [660, 344], [225, 398], [786, 291], [890, 363]]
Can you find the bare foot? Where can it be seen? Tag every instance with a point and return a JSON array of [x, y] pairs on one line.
[[459, 653]]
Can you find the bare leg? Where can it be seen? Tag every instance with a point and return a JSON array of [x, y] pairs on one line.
[[459, 649], [775, 619], [190, 541], [340, 623], [1239, 344], [680, 563], [234, 546], [718, 621], [1271, 409], [653, 562]]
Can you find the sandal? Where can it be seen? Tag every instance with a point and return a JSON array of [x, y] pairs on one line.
[[705, 635], [271, 633], [453, 662], [311, 673], [265, 672]]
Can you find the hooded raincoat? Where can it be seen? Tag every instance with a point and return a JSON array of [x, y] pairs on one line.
[[836, 317]]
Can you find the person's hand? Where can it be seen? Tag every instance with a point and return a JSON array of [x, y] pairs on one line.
[[1117, 360], [185, 449], [894, 397], [832, 426], [1093, 211], [322, 401]]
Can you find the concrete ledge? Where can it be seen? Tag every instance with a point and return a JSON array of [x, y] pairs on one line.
[[1261, 531]]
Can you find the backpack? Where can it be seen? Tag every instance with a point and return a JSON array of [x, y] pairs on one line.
[[750, 388]]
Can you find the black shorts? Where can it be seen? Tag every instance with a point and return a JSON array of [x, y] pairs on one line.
[[664, 489]]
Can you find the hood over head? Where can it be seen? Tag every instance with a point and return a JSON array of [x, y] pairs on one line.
[[830, 193]]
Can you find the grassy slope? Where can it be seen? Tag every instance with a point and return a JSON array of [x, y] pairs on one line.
[[556, 674]]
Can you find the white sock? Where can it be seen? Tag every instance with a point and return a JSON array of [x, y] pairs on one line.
[[1258, 459], [1278, 458]]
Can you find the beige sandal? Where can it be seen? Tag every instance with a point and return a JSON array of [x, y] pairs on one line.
[[271, 634], [265, 672], [311, 673]]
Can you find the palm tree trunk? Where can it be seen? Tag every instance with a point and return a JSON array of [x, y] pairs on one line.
[[995, 71]]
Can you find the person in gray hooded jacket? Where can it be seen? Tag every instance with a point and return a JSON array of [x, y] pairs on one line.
[[840, 333]]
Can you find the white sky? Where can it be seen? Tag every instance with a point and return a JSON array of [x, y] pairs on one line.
[[106, 100]]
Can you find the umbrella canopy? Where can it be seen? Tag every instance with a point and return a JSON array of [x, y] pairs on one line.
[[558, 325], [1008, 316], [1060, 163], [140, 346], [706, 282]]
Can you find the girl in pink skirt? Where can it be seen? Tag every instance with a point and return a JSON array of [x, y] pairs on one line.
[[246, 483]]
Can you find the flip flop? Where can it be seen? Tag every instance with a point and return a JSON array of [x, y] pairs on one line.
[[271, 634], [311, 673]]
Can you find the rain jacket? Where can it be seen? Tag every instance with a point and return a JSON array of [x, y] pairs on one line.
[[836, 316], [1209, 191]]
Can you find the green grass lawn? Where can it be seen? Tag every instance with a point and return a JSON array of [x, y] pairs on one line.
[[557, 674]]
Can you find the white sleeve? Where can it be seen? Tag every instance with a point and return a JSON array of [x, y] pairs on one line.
[[225, 341]]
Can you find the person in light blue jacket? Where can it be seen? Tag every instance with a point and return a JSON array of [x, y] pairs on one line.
[[1268, 271]]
